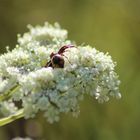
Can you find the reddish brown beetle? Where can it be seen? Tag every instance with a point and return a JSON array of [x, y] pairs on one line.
[[57, 60]]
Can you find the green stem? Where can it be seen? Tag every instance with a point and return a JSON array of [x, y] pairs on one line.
[[11, 118], [8, 94]]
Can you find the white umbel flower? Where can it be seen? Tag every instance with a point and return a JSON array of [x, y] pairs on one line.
[[50, 89]]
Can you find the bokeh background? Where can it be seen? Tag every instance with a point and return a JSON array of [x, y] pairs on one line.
[[109, 25]]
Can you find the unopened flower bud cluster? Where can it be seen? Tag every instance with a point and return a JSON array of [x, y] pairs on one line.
[[54, 90]]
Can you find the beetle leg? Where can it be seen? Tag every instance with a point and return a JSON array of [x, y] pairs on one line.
[[49, 64], [66, 58]]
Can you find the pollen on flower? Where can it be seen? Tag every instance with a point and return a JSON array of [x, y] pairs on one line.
[[50, 89]]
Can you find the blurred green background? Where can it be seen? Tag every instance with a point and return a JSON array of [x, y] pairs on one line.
[[109, 25]]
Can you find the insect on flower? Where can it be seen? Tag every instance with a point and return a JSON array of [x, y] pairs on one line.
[[57, 60]]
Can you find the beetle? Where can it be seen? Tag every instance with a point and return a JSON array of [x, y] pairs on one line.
[[56, 59]]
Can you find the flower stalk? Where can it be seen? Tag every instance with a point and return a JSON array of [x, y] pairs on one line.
[[19, 114], [8, 94]]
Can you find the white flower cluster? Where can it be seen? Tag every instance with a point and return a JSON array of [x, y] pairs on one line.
[[35, 87]]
